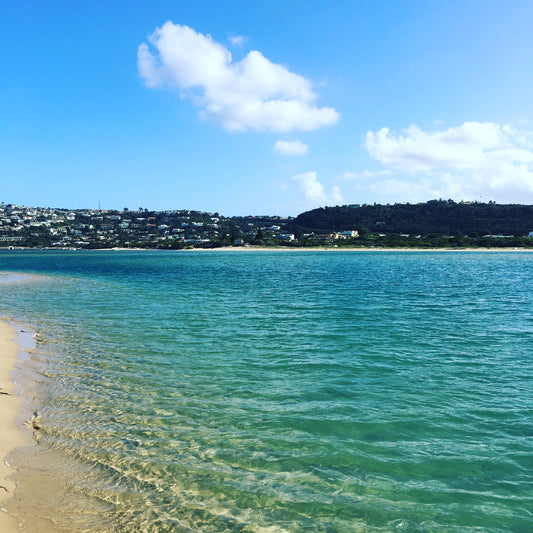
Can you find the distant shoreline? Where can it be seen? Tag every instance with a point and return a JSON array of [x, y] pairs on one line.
[[350, 249], [277, 249]]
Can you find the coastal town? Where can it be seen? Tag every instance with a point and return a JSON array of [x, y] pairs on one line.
[[95, 228], [38, 227], [434, 224]]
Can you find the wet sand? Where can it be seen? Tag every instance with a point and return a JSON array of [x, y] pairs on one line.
[[10, 405]]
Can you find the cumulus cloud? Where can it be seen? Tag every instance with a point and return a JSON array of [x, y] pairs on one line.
[[314, 192], [336, 196], [311, 187], [468, 161], [253, 93], [416, 150], [291, 147]]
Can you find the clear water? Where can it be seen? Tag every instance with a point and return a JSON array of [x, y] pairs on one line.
[[277, 391]]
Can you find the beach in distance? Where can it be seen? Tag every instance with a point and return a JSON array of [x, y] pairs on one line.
[[254, 390], [349, 249], [288, 249]]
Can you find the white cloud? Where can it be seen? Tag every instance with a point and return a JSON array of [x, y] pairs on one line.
[[237, 40], [291, 147], [311, 187], [253, 93], [315, 192], [416, 150], [469, 161], [336, 196]]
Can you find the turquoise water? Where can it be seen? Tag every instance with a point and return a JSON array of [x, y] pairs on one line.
[[278, 391]]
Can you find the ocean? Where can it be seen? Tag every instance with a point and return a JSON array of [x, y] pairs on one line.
[[259, 391]]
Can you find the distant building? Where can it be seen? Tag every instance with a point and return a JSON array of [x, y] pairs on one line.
[[327, 237], [284, 236], [349, 234]]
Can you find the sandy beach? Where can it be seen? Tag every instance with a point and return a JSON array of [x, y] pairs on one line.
[[345, 249], [9, 408]]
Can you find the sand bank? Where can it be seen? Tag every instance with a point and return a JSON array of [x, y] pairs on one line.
[[10, 405]]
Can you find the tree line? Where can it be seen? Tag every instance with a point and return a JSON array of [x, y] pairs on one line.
[[439, 217]]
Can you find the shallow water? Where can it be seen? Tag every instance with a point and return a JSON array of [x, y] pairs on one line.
[[258, 391]]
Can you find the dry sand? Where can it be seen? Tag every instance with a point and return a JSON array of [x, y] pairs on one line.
[[10, 405]]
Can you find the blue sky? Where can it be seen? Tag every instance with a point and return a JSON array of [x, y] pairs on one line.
[[265, 107]]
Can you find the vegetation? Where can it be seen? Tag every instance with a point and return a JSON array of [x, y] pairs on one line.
[[440, 217], [435, 224]]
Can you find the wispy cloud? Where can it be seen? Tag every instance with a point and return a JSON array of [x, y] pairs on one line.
[[295, 147], [365, 174], [237, 40], [253, 93]]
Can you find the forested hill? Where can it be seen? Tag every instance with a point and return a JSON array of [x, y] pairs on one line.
[[436, 216]]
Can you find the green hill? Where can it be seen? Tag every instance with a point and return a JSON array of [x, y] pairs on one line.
[[434, 217]]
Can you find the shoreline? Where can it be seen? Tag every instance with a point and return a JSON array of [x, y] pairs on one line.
[[10, 405], [343, 249], [283, 249]]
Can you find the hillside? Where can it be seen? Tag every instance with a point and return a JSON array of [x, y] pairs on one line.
[[434, 217], [435, 224]]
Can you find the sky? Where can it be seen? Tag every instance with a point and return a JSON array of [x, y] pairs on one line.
[[264, 107]]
